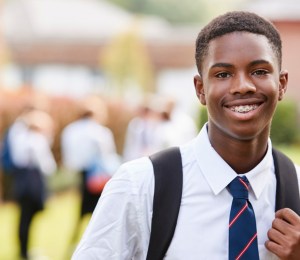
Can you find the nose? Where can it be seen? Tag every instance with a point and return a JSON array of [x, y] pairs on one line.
[[242, 85]]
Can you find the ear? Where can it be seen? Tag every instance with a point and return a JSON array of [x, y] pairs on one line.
[[198, 83], [283, 80]]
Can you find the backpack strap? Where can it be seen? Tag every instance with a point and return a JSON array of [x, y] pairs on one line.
[[167, 167], [287, 190]]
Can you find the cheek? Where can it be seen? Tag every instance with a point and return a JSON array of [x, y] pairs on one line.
[[213, 99], [274, 93], [215, 94]]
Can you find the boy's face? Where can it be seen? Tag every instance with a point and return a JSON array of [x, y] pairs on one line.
[[240, 84]]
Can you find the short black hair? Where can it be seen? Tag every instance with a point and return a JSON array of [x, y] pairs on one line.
[[237, 21]]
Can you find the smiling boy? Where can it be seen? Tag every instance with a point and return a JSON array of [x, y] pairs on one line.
[[240, 80]]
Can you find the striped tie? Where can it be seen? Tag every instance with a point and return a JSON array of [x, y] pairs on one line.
[[242, 224]]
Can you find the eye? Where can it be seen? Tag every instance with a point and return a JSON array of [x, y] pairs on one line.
[[223, 75], [260, 72]]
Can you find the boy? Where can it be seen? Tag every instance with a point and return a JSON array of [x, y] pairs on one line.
[[238, 56]]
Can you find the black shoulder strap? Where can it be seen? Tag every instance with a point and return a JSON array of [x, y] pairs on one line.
[[167, 167], [287, 190]]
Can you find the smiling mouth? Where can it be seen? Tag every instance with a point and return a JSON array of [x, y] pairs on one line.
[[244, 108]]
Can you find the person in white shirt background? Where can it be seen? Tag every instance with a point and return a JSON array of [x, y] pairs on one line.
[[176, 126], [240, 80], [84, 142], [159, 124], [140, 133], [30, 138]]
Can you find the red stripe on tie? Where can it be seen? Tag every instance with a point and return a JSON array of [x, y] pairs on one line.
[[246, 247], [244, 183], [237, 215]]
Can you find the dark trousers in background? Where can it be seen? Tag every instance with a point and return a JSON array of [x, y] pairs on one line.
[[30, 196], [28, 211], [88, 200]]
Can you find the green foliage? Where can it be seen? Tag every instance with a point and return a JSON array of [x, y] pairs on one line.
[[285, 127], [292, 151], [126, 61], [175, 11], [203, 117]]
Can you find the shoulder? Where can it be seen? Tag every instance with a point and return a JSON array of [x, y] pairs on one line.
[[93, 127], [135, 169], [104, 129], [72, 127], [133, 177]]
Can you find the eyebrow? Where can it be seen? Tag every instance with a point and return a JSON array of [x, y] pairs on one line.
[[228, 65], [222, 65], [258, 62]]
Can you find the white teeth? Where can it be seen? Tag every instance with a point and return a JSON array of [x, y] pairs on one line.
[[243, 109]]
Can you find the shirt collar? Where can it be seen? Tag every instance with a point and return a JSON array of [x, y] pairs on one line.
[[219, 174]]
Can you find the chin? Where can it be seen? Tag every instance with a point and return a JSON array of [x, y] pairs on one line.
[[243, 134]]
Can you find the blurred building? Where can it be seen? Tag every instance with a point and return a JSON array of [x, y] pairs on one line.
[[58, 46], [58, 43]]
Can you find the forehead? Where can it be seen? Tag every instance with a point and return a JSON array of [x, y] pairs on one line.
[[240, 46]]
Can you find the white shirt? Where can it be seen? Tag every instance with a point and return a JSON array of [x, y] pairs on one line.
[[146, 135], [31, 148], [140, 138], [85, 140], [177, 131], [120, 226]]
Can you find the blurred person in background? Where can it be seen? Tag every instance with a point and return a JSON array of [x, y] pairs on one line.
[[30, 138], [140, 133], [159, 124], [88, 148], [7, 165], [176, 127]]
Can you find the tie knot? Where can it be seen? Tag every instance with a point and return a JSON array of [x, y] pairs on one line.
[[239, 188]]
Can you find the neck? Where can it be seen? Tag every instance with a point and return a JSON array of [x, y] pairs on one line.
[[241, 155]]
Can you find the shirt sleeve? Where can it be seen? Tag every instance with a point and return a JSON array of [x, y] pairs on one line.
[[120, 225]]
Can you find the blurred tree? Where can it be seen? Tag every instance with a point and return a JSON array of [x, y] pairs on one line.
[[126, 63], [285, 126], [180, 12], [202, 116], [175, 11]]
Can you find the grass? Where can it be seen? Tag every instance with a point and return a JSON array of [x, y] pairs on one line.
[[51, 231], [292, 151]]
